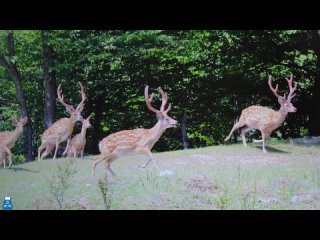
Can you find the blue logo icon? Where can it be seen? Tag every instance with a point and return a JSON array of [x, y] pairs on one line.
[[7, 204]]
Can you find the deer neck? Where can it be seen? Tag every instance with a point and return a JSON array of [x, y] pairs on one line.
[[83, 132], [15, 135], [156, 131], [71, 122], [281, 115]]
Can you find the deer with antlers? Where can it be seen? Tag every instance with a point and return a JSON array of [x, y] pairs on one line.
[[62, 129], [8, 140], [265, 119], [137, 140], [76, 145]]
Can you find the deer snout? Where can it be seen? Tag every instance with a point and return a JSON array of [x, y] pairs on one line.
[[293, 109], [174, 123]]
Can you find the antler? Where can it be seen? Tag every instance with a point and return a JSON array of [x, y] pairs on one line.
[[164, 98], [149, 100], [292, 89], [83, 95], [274, 90], [60, 97]]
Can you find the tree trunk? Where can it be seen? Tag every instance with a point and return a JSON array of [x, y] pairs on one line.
[[184, 132], [98, 110], [315, 114], [14, 73], [49, 82]]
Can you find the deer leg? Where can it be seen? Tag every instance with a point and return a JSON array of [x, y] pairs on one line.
[[82, 153], [267, 135], [48, 150], [42, 146], [146, 164], [8, 151], [243, 133], [66, 150], [108, 164], [97, 161], [263, 141], [57, 145], [2, 157], [149, 155], [235, 126], [74, 152]]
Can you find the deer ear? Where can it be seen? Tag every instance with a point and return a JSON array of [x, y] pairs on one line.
[[24, 120], [14, 121], [79, 110], [159, 115], [70, 109], [281, 100], [88, 118]]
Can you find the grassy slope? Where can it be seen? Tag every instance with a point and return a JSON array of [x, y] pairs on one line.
[[219, 177]]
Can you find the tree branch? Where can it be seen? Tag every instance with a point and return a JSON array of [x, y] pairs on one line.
[[4, 62], [8, 101], [11, 48]]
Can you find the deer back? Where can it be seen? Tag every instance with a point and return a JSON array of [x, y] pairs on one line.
[[62, 128]]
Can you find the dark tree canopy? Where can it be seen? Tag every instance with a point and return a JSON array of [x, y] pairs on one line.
[[210, 76]]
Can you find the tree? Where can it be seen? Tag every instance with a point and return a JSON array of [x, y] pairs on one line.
[[9, 63], [315, 112], [49, 81]]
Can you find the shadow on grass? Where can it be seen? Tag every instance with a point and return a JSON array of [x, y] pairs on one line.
[[272, 150], [17, 169]]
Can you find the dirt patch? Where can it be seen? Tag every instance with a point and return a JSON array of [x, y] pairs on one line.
[[46, 204], [306, 141], [268, 200], [200, 183], [302, 198]]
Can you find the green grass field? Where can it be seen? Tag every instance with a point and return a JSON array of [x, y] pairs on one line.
[[218, 177]]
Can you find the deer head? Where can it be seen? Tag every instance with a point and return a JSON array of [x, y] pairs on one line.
[[285, 103], [20, 124], [162, 114], [86, 123], [75, 113]]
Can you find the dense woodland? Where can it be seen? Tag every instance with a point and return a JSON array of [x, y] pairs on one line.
[[210, 76]]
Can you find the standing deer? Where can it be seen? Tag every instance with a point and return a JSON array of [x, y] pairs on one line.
[[61, 130], [76, 145], [263, 118], [137, 140], [8, 140]]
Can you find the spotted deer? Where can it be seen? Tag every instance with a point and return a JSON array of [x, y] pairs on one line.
[[62, 129], [138, 140], [76, 145], [8, 140], [265, 119]]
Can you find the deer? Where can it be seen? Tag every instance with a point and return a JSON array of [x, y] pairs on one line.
[[265, 119], [137, 141], [62, 129], [8, 140], [76, 145]]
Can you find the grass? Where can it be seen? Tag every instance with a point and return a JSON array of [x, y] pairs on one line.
[[218, 177]]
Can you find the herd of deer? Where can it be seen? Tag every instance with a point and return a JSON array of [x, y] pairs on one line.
[[139, 140]]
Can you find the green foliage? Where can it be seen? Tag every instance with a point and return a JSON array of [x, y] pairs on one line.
[[60, 181], [106, 193], [209, 74]]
